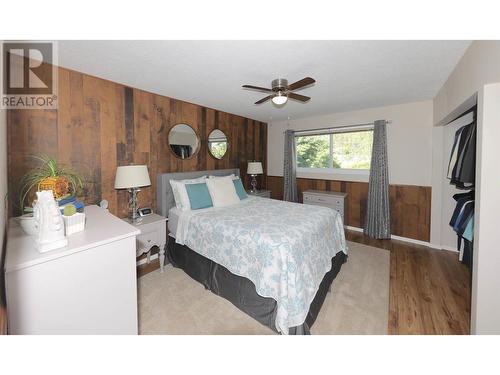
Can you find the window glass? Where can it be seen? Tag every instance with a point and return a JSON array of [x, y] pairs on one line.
[[339, 150]]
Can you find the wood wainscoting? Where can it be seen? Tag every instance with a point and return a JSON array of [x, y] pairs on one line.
[[100, 125], [410, 205]]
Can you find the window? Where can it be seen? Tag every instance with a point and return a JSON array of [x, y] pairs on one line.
[[346, 149]]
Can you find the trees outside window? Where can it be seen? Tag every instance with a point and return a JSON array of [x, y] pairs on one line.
[[339, 150]]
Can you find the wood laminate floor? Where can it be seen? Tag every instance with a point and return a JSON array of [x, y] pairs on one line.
[[429, 290]]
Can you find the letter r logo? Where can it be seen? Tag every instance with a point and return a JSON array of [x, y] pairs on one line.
[[28, 68]]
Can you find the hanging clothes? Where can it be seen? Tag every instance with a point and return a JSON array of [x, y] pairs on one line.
[[454, 152], [468, 233], [467, 173], [462, 164], [462, 223], [461, 173]]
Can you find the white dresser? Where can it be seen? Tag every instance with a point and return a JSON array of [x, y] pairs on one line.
[[87, 287], [332, 199]]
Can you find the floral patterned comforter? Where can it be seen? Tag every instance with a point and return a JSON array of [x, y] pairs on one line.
[[284, 248]]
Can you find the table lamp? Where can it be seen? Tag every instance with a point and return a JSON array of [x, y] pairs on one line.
[[254, 168], [132, 177]]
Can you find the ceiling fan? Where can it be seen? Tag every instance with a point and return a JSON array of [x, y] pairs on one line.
[[281, 91]]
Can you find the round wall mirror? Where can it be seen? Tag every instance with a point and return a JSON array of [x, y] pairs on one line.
[[217, 143], [183, 141]]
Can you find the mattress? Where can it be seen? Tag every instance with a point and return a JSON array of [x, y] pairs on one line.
[[284, 248], [173, 220]]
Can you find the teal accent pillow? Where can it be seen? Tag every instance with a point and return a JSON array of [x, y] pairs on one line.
[[199, 196], [240, 190]]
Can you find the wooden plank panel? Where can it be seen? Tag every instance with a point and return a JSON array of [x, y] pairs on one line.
[[210, 126], [263, 145], [90, 140], [30, 132], [175, 118], [160, 151], [64, 125], [101, 125], [143, 114], [109, 121], [203, 154]]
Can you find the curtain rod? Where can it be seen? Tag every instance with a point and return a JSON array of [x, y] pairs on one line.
[[338, 127]]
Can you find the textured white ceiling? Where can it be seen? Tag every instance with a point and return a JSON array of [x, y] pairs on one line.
[[349, 74]]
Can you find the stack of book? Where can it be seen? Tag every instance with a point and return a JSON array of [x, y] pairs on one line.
[[63, 202]]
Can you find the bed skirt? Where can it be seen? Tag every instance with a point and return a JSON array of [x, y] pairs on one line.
[[240, 291]]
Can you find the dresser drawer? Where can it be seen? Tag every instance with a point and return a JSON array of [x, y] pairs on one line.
[[326, 200], [333, 201], [147, 240], [338, 208]]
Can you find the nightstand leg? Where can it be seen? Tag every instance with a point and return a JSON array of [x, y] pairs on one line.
[[162, 257]]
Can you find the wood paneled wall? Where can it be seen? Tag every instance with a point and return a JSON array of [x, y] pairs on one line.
[[100, 125], [410, 205]]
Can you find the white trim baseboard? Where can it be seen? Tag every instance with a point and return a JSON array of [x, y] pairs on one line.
[[410, 240]]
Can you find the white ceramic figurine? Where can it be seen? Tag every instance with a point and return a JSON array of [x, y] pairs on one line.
[[50, 223]]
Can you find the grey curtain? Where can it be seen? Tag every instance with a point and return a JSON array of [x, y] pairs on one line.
[[290, 168], [378, 221]]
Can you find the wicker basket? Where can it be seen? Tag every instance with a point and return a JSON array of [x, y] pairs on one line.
[[74, 224]]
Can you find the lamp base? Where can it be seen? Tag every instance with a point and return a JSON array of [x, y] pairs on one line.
[[133, 215], [254, 184]]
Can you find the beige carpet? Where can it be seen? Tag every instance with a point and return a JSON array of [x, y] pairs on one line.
[[173, 303]]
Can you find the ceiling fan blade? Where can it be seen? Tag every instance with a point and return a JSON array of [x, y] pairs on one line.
[[264, 99], [298, 97], [257, 88], [302, 83]]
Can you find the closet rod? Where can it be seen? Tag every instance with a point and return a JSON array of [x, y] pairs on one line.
[[338, 127]]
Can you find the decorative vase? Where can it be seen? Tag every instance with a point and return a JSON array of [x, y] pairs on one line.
[[50, 224], [74, 223]]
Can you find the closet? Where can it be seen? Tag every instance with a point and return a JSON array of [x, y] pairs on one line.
[[461, 173]]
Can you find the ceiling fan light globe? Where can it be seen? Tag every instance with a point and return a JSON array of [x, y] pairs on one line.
[[280, 99]]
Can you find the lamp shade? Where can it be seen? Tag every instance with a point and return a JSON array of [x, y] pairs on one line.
[[254, 167], [132, 176]]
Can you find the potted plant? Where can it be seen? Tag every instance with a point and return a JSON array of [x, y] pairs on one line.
[[49, 174]]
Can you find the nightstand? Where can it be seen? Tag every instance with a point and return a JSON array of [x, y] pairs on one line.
[[260, 193], [153, 233]]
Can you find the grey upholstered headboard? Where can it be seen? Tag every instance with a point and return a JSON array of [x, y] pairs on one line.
[[164, 196]]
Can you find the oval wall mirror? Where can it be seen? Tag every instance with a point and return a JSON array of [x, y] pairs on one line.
[[183, 141], [217, 143]]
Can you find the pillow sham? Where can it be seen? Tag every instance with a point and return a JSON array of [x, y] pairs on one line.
[[199, 196], [222, 191], [180, 194], [232, 175], [240, 190]]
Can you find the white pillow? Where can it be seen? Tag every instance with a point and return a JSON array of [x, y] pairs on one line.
[[180, 193], [222, 191], [234, 177]]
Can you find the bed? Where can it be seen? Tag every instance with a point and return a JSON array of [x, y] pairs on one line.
[[273, 260]]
